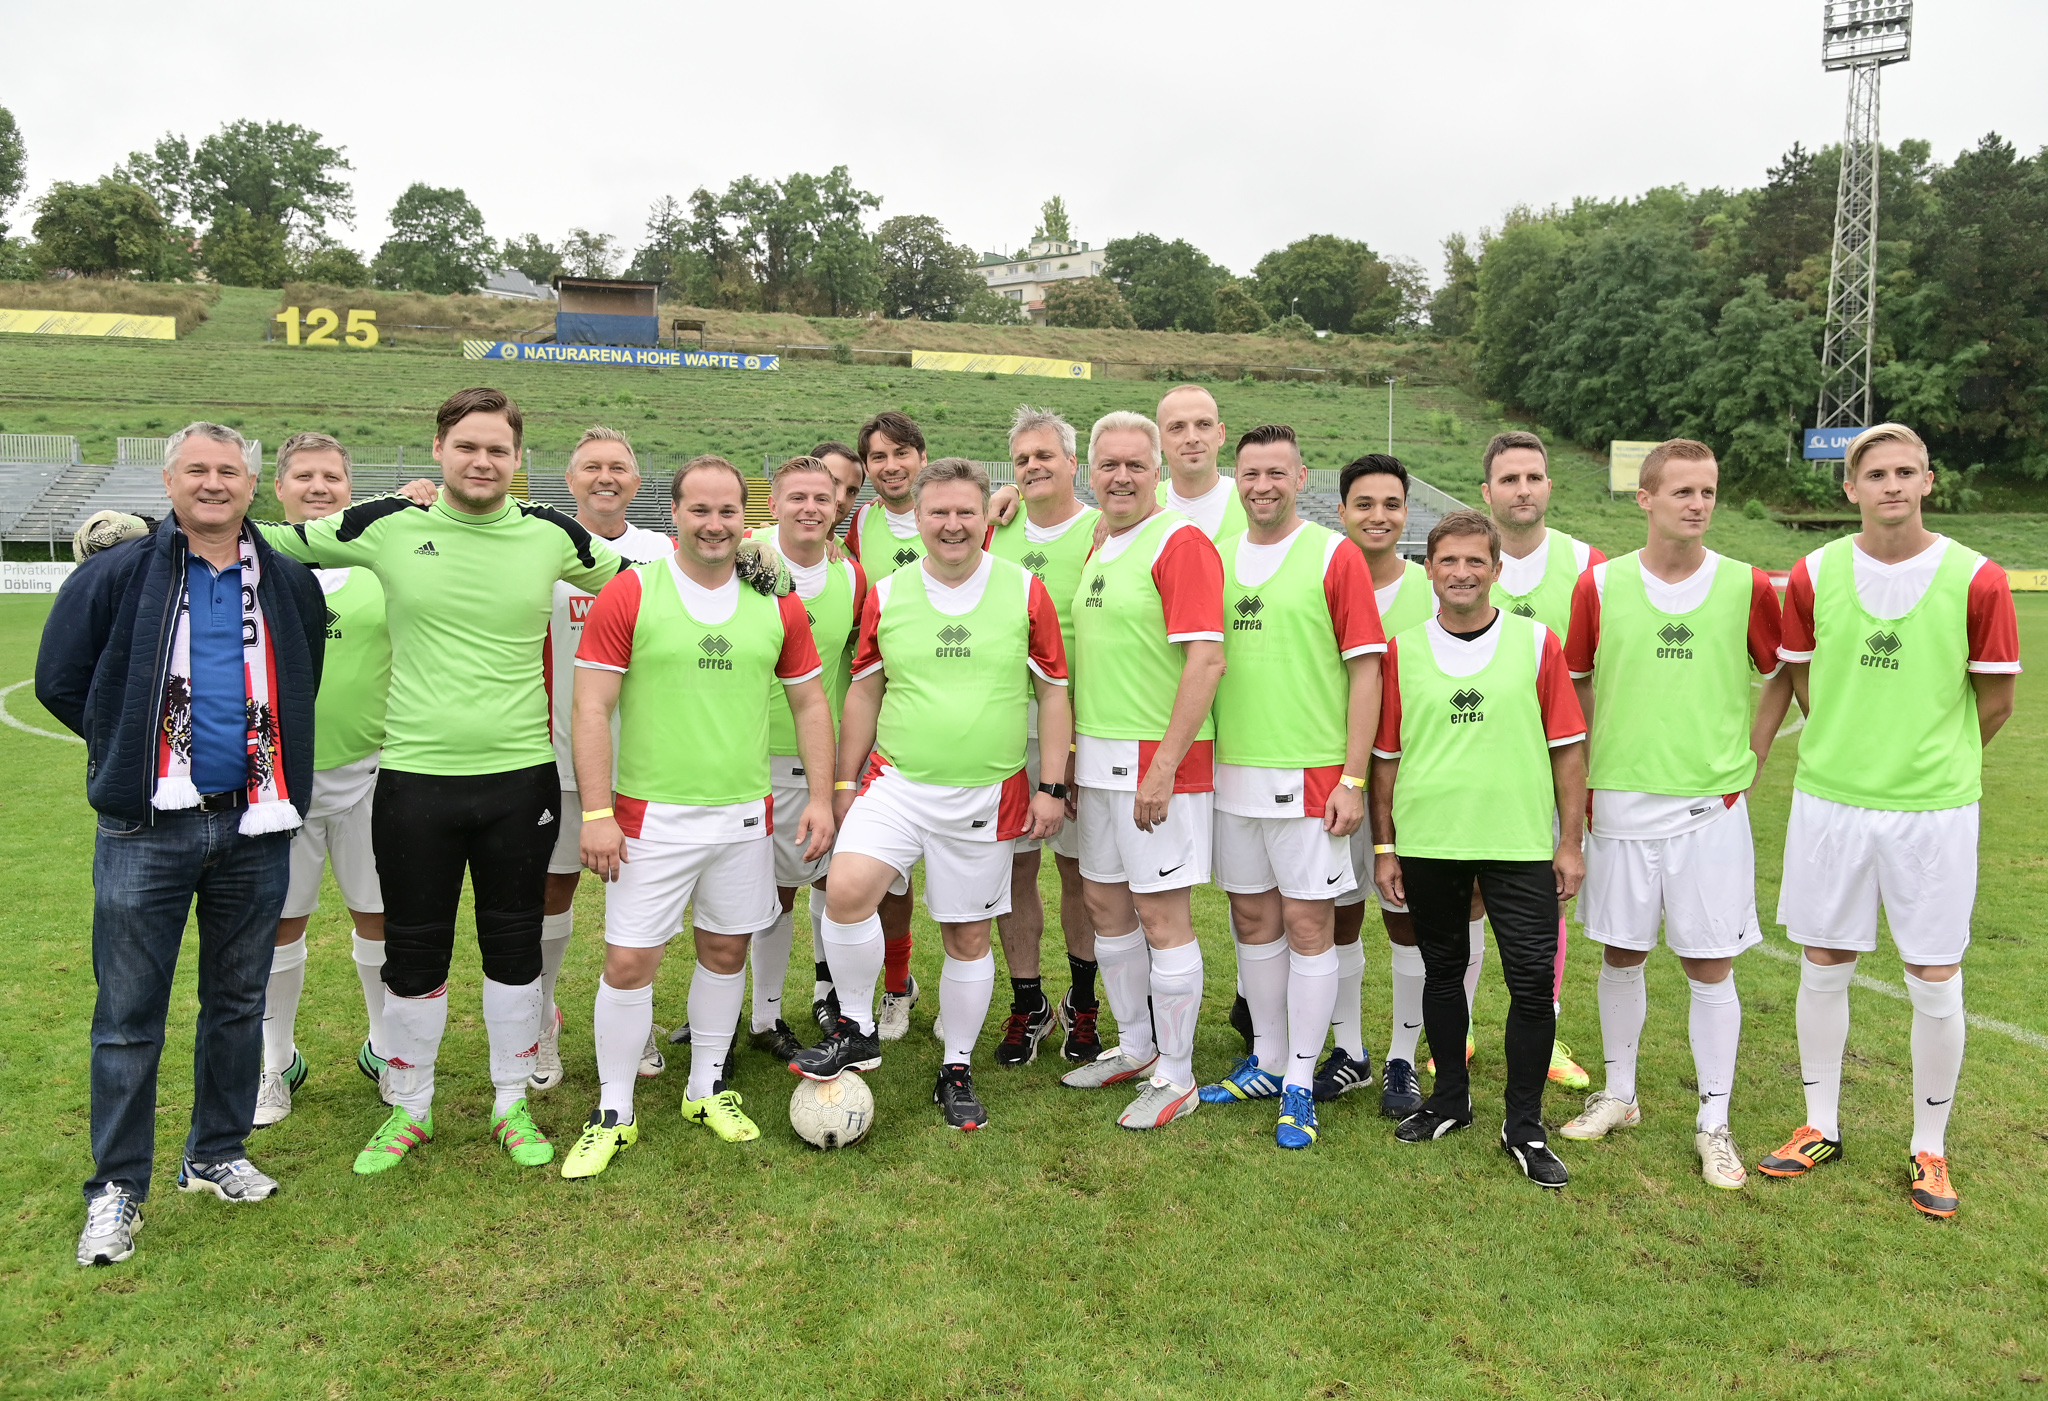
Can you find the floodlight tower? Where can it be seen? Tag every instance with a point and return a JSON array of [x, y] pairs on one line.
[[1861, 36]]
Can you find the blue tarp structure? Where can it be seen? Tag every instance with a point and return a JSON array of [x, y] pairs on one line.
[[592, 328]]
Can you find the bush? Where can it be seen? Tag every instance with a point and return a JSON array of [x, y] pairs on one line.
[[1237, 311], [336, 266], [1290, 327], [188, 303], [1088, 303], [1756, 510]]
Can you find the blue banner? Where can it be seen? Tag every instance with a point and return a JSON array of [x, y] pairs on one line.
[[1829, 444], [643, 357], [592, 328]]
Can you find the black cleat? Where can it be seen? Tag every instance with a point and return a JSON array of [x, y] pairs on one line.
[[845, 1047], [825, 1011], [778, 1041], [1084, 1040], [1537, 1162], [1021, 1034], [1426, 1125], [680, 1036], [1400, 1090], [1340, 1075], [1241, 1018], [954, 1094]]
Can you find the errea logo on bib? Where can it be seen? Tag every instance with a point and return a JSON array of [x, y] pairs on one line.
[[954, 640], [1522, 608], [1035, 561], [905, 555], [1883, 651], [714, 647], [1674, 636], [1465, 706], [1248, 609], [1094, 599]]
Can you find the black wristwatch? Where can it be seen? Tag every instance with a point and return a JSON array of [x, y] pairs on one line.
[[1056, 790]]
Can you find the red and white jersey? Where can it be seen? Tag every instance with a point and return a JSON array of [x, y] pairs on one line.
[[565, 630], [1894, 590], [1355, 630], [1190, 584], [1563, 721]]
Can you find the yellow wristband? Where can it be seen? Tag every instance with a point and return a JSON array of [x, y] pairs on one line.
[[1383, 849], [596, 813], [1351, 781], [842, 786]]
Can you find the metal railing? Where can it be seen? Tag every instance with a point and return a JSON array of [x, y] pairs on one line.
[[52, 449]]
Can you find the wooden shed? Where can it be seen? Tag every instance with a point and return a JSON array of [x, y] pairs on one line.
[[606, 311]]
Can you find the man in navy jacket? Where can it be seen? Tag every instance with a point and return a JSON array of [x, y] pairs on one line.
[[188, 661]]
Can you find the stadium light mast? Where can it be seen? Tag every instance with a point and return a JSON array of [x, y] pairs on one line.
[[1861, 36]]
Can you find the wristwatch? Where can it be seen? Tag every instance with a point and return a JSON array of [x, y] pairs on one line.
[[1054, 790]]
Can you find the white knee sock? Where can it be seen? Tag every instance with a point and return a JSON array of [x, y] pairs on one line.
[[1176, 983], [1262, 980], [770, 954], [1823, 1018], [854, 952], [512, 1025], [714, 1016], [1716, 1029], [1624, 1003], [1937, 1057], [1126, 967], [1476, 931], [554, 947], [1311, 997], [415, 1026], [619, 1025], [1347, 1021], [1240, 967], [1408, 979], [281, 1004], [966, 986], [370, 973]]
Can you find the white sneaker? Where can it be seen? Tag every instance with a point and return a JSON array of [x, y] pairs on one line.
[[652, 1061], [1720, 1161], [547, 1061], [1113, 1067], [895, 1018], [1602, 1115], [939, 1027], [273, 1100], [1159, 1104]]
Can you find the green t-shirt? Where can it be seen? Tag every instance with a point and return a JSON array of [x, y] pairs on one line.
[[348, 714], [467, 600], [1414, 600]]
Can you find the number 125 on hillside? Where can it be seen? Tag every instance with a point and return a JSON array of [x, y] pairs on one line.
[[321, 323]]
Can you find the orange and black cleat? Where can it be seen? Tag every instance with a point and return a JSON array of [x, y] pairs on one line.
[[1932, 1192], [1802, 1153]]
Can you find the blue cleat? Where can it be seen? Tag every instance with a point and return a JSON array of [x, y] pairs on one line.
[[1245, 1081], [1400, 1090], [1297, 1118]]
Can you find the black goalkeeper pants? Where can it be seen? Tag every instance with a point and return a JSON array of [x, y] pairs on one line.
[[427, 830]]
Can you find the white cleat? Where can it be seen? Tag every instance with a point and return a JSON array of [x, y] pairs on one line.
[[1602, 1115], [1720, 1161], [547, 1061], [652, 1061], [1159, 1104], [894, 1020], [273, 1100], [1112, 1067]]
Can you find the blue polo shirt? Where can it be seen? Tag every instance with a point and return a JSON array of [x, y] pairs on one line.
[[220, 690]]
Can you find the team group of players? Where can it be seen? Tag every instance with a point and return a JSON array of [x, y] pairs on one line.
[[1183, 682]]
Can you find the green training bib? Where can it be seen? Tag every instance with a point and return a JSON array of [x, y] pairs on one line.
[[833, 628], [1415, 602], [1286, 692], [958, 687], [1550, 602], [1126, 673], [881, 552]]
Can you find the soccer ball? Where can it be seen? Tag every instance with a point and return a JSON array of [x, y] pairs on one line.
[[832, 1113]]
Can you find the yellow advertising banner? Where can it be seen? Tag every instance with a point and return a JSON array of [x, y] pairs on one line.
[[1625, 464], [2028, 580], [89, 323], [999, 364]]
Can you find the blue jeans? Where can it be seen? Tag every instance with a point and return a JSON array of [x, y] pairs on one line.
[[145, 877]]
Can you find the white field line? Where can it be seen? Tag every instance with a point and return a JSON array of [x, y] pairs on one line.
[[46, 734], [1870, 984]]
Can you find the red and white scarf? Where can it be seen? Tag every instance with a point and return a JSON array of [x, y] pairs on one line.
[[270, 807]]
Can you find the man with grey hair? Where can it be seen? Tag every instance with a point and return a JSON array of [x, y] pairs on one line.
[[188, 661], [1050, 537]]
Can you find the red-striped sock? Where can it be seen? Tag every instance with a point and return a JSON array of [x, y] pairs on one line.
[[896, 964]]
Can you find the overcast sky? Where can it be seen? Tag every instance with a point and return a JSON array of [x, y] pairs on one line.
[[1237, 126]]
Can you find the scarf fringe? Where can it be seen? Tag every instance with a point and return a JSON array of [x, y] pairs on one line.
[[275, 816], [174, 791]]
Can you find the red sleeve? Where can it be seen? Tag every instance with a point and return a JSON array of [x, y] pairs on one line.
[[860, 593], [1189, 577], [799, 649], [1388, 740], [1354, 611], [1994, 627], [1765, 623], [1594, 555], [608, 627], [1562, 718], [1582, 634], [867, 654], [852, 538], [1796, 632], [1048, 648]]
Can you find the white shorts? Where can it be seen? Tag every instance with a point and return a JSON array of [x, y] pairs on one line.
[[567, 857], [1700, 886], [1292, 854], [965, 881], [1842, 861], [336, 829], [1172, 856], [791, 795], [1067, 841], [733, 884], [1362, 889]]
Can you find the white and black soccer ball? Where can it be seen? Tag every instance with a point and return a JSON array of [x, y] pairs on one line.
[[834, 1113]]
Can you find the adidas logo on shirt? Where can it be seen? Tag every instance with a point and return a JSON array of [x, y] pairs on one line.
[[428, 549]]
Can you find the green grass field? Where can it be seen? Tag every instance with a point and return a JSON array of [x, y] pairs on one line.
[[1052, 1254]]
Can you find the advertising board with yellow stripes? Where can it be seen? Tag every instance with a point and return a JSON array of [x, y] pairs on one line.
[[89, 323], [999, 364]]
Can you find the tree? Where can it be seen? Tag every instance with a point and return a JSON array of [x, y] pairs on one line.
[[540, 262], [437, 243], [925, 275], [987, 307], [1317, 277], [1792, 218], [1237, 311], [588, 254], [13, 165], [1168, 286], [843, 271], [1087, 303], [332, 265], [1451, 309], [1520, 270], [107, 229], [242, 250], [1052, 222], [1392, 296]]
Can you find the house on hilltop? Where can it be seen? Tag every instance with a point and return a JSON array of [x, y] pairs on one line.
[[1024, 279]]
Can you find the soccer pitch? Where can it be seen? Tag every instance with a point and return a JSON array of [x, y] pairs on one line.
[[1051, 1254]]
